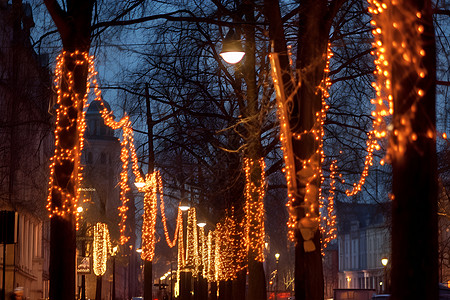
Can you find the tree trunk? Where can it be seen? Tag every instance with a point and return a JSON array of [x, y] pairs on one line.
[[238, 289], [212, 291], [98, 288], [74, 27], [148, 265], [414, 211], [256, 282], [148, 282], [314, 27]]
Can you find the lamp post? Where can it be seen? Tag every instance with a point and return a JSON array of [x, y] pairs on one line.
[[277, 258], [384, 262], [185, 279], [83, 254], [232, 51], [113, 254]]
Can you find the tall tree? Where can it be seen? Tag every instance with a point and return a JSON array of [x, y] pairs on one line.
[[413, 151], [74, 26], [315, 20]]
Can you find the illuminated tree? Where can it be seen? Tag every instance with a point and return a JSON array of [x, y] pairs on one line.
[[74, 26]]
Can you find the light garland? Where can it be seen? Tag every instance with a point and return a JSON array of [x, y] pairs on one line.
[[211, 266], [230, 252], [254, 207], [101, 248], [192, 257], [203, 251], [328, 224], [310, 170], [149, 222], [69, 119]]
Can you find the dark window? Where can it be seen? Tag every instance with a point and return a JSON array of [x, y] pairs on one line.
[[103, 158]]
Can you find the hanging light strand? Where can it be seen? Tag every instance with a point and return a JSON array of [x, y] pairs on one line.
[[101, 248], [68, 100], [254, 207]]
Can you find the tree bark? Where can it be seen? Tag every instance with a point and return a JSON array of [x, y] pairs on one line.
[[148, 265], [414, 213], [256, 282], [74, 26], [238, 289], [314, 26], [98, 288]]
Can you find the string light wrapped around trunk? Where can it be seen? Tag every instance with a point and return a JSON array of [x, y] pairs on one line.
[[254, 207], [150, 211], [192, 258], [70, 117], [101, 248]]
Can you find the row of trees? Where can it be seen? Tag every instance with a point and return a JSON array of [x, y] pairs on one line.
[[207, 116]]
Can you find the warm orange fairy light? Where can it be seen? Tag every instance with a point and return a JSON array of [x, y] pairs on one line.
[[230, 251], [328, 224], [309, 166], [254, 207], [67, 101], [202, 251], [192, 258], [101, 248], [384, 105], [210, 266], [181, 257], [149, 218]]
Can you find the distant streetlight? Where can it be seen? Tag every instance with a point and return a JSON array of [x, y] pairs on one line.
[[113, 254], [232, 51], [139, 184], [80, 209], [184, 206], [201, 224], [277, 258], [384, 262], [139, 250]]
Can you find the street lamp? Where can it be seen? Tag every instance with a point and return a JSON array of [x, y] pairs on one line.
[[384, 262], [232, 51], [277, 258], [113, 254], [139, 184], [184, 205]]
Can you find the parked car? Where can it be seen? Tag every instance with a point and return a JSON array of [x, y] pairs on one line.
[[381, 297]]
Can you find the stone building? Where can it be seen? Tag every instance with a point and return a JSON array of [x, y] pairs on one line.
[[25, 149], [363, 239]]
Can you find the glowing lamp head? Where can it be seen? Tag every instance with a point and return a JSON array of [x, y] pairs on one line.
[[139, 184], [384, 261], [201, 224], [80, 209], [114, 250], [277, 256], [232, 51], [139, 250], [184, 205]]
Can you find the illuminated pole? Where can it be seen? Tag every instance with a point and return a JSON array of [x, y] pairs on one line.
[[114, 253], [185, 283], [277, 258], [384, 262], [151, 165], [83, 254]]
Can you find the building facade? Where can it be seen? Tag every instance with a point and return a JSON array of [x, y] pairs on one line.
[[25, 149], [363, 239]]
